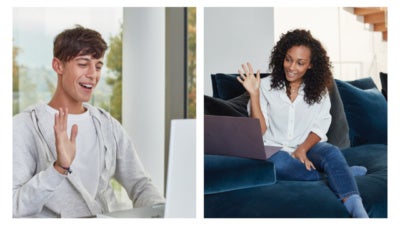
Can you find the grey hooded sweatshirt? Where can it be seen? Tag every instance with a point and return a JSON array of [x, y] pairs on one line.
[[40, 191]]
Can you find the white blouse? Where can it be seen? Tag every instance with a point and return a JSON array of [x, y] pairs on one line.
[[289, 123]]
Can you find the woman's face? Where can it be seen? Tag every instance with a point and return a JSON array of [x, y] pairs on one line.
[[296, 63]]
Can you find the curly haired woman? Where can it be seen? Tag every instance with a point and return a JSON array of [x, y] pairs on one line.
[[293, 108]]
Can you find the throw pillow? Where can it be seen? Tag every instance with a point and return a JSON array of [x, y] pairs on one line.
[[226, 86], [220, 107], [366, 113], [363, 83], [338, 133]]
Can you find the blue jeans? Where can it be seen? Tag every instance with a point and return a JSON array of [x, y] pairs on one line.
[[326, 158]]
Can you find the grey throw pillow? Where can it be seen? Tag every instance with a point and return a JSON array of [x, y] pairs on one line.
[[338, 133]]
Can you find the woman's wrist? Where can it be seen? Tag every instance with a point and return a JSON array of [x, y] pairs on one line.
[[301, 149], [255, 94]]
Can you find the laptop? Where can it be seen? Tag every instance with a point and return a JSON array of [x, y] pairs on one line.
[[180, 201], [235, 136], [155, 211], [181, 178]]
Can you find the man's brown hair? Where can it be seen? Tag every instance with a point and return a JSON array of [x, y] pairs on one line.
[[78, 41]]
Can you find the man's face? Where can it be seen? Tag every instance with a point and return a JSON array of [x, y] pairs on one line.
[[80, 76]]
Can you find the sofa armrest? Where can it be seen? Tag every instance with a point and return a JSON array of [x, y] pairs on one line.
[[227, 173]]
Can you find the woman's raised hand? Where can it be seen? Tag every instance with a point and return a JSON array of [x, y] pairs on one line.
[[250, 82]]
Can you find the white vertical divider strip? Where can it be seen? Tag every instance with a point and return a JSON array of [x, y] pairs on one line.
[[200, 111]]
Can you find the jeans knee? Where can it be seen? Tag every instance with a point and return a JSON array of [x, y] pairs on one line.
[[328, 151], [288, 168], [334, 153]]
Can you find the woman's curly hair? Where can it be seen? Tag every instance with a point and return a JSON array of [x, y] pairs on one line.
[[317, 79]]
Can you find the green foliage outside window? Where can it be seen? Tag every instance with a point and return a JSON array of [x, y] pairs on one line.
[[114, 64], [15, 80], [191, 60]]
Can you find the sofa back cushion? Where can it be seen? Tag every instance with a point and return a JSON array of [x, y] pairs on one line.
[[226, 86], [366, 112]]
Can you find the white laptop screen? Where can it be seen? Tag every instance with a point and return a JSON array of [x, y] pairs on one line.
[[181, 179]]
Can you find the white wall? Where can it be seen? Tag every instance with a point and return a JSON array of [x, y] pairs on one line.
[[233, 36], [143, 95], [353, 48]]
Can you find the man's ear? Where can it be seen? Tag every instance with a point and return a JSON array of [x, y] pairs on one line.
[[58, 66]]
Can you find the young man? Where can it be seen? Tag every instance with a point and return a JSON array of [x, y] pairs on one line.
[[65, 152]]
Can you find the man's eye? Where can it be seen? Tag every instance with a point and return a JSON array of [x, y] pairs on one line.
[[82, 65]]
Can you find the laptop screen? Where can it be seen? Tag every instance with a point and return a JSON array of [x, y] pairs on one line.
[[181, 178], [233, 136]]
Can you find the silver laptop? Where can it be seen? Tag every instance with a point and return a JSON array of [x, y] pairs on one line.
[[235, 136], [181, 178], [156, 211]]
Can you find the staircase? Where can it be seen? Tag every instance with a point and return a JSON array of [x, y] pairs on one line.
[[376, 16]]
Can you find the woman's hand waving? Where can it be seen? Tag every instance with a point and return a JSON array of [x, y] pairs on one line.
[[250, 82]]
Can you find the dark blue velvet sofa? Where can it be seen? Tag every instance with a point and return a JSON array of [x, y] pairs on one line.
[[247, 188]]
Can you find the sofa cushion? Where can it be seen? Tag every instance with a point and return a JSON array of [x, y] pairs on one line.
[[372, 186], [285, 199], [227, 173], [307, 199], [366, 113]]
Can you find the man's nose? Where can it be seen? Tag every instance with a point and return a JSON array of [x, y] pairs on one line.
[[91, 71]]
